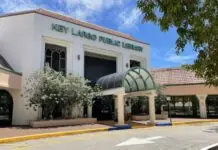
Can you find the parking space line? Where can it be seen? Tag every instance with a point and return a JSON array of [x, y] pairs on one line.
[[210, 146]]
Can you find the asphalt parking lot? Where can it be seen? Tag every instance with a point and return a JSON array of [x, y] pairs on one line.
[[193, 137]]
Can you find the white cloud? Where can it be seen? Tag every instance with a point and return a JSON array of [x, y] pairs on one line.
[[160, 58], [170, 56], [81, 9], [129, 19], [96, 5], [180, 59], [81, 14], [91, 4], [17, 5]]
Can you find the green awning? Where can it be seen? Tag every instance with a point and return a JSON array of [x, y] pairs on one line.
[[133, 80]]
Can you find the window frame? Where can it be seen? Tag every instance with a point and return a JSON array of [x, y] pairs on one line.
[[59, 49]]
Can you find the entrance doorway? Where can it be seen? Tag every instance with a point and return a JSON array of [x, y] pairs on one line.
[[103, 108], [97, 65], [6, 108]]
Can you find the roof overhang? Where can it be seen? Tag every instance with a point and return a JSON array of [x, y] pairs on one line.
[[113, 91], [55, 15], [190, 89]]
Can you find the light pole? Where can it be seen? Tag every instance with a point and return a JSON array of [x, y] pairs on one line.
[[168, 100]]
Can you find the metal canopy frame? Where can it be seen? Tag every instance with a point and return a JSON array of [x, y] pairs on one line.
[[133, 80]]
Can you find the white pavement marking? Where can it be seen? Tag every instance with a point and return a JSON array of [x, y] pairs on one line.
[[210, 146], [137, 141]]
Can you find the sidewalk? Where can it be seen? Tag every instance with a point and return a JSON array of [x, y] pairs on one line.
[[7, 132], [16, 134]]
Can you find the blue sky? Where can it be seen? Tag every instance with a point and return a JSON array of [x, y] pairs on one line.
[[121, 15]]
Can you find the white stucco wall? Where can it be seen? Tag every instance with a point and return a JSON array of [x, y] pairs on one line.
[[75, 45], [23, 38], [17, 47]]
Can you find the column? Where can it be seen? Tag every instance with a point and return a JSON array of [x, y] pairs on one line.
[[126, 62], [78, 57], [120, 106], [90, 111], [69, 58], [202, 104], [151, 102]]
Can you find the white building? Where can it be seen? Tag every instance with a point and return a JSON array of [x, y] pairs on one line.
[[28, 39]]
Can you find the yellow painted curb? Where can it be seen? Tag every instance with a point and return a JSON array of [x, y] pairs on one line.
[[141, 126], [47, 135], [194, 122]]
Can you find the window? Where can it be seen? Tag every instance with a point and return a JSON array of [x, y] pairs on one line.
[[184, 106], [212, 106], [55, 56], [134, 63]]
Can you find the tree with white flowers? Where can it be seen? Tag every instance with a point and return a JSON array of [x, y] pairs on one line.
[[47, 88]]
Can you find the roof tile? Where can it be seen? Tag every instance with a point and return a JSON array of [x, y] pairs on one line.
[[171, 76]]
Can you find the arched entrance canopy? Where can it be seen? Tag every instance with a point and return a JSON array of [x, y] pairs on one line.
[[133, 80]]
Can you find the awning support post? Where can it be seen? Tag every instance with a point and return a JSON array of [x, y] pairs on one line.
[[151, 101], [120, 106]]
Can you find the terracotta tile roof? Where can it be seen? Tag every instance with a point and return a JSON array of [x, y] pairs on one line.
[[170, 76], [74, 21]]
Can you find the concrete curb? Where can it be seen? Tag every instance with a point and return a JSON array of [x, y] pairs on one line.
[[142, 126], [163, 124], [57, 134], [193, 122], [48, 135], [184, 123], [120, 127]]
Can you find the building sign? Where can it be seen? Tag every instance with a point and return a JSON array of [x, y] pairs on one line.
[[93, 37]]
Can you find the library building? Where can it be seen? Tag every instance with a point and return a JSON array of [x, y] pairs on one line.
[[116, 61]]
